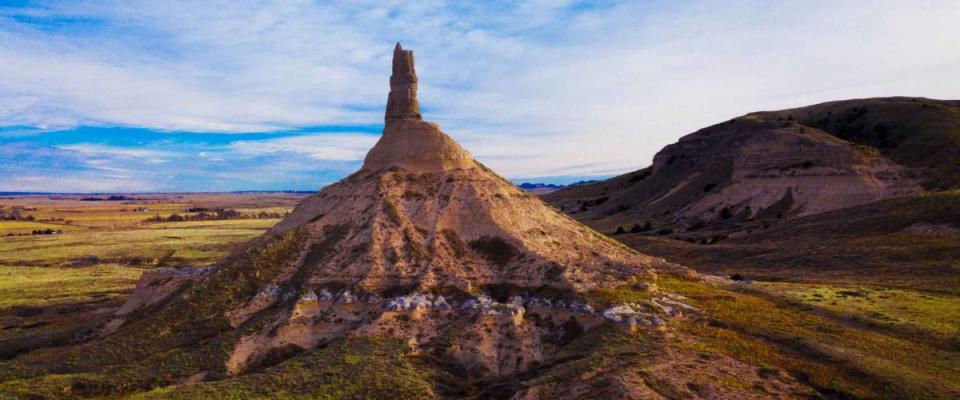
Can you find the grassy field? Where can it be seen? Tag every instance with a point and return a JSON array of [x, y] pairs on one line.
[[41, 286], [835, 349], [848, 329], [195, 243], [106, 245]]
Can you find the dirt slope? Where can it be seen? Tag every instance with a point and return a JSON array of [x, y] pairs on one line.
[[915, 132], [738, 174]]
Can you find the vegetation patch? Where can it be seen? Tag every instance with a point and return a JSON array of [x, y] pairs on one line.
[[392, 212], [835, 356], [456, 244], [363, 368], [414, 247], [601, 299], [494, 249]]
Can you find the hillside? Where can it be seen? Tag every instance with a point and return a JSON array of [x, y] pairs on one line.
[[758, 169], [915, 132], [906, 242]]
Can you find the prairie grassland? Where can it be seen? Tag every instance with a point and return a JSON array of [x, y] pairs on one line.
[[106, 245], [17, 227], [934, 313], [197, 242], [830, 349], [41, 286]]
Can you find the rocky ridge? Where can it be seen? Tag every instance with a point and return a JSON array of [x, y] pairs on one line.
[[738, 175]]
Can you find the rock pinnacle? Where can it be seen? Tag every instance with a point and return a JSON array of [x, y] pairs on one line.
[[402, 101], [408, 141]]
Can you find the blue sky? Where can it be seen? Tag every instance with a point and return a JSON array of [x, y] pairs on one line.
[[100, 96]]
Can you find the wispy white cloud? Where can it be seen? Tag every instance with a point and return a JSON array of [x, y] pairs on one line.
[[279, 164], [533, 88], [79, 183], [332, 147], [88, 149]]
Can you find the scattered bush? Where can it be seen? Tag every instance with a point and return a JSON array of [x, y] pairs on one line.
[[639, 177], [596, 202], [453, 240], [725, 213], [47, 232], [494, 249], [645, 228], [220, 214]]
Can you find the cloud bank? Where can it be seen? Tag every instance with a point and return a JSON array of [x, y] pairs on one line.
[[534, 89]]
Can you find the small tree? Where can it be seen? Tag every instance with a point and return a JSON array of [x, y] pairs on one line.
[[619, 231], [725, 213], [637, 228]]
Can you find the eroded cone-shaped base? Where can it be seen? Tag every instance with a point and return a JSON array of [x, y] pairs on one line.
[[416, 145], [441, 247]]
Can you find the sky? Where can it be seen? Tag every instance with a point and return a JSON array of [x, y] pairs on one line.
[[139, 96]]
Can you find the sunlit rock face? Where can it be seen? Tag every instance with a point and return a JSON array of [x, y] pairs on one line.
[[425, 231]]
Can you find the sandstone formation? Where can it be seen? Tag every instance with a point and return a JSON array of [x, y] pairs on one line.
[[408, 142], [422, 232], [738, 175], [426, 231], [402, 101]]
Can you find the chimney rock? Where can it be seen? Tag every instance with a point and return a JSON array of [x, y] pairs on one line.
[[402, 101]]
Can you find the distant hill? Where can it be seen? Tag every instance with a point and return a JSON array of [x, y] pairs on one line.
[[764, 167], [540, 188]]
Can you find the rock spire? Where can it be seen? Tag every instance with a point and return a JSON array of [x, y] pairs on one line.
[[402, 101], [408, 141]]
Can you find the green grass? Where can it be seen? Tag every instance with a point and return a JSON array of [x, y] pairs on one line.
[[200, 242], [25, 227], [931, 312], [828, 351], [603, 298], [40, 286], [161, 348], [348, 369]]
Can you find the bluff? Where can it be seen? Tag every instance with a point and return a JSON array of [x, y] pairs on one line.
[[752, 171]]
